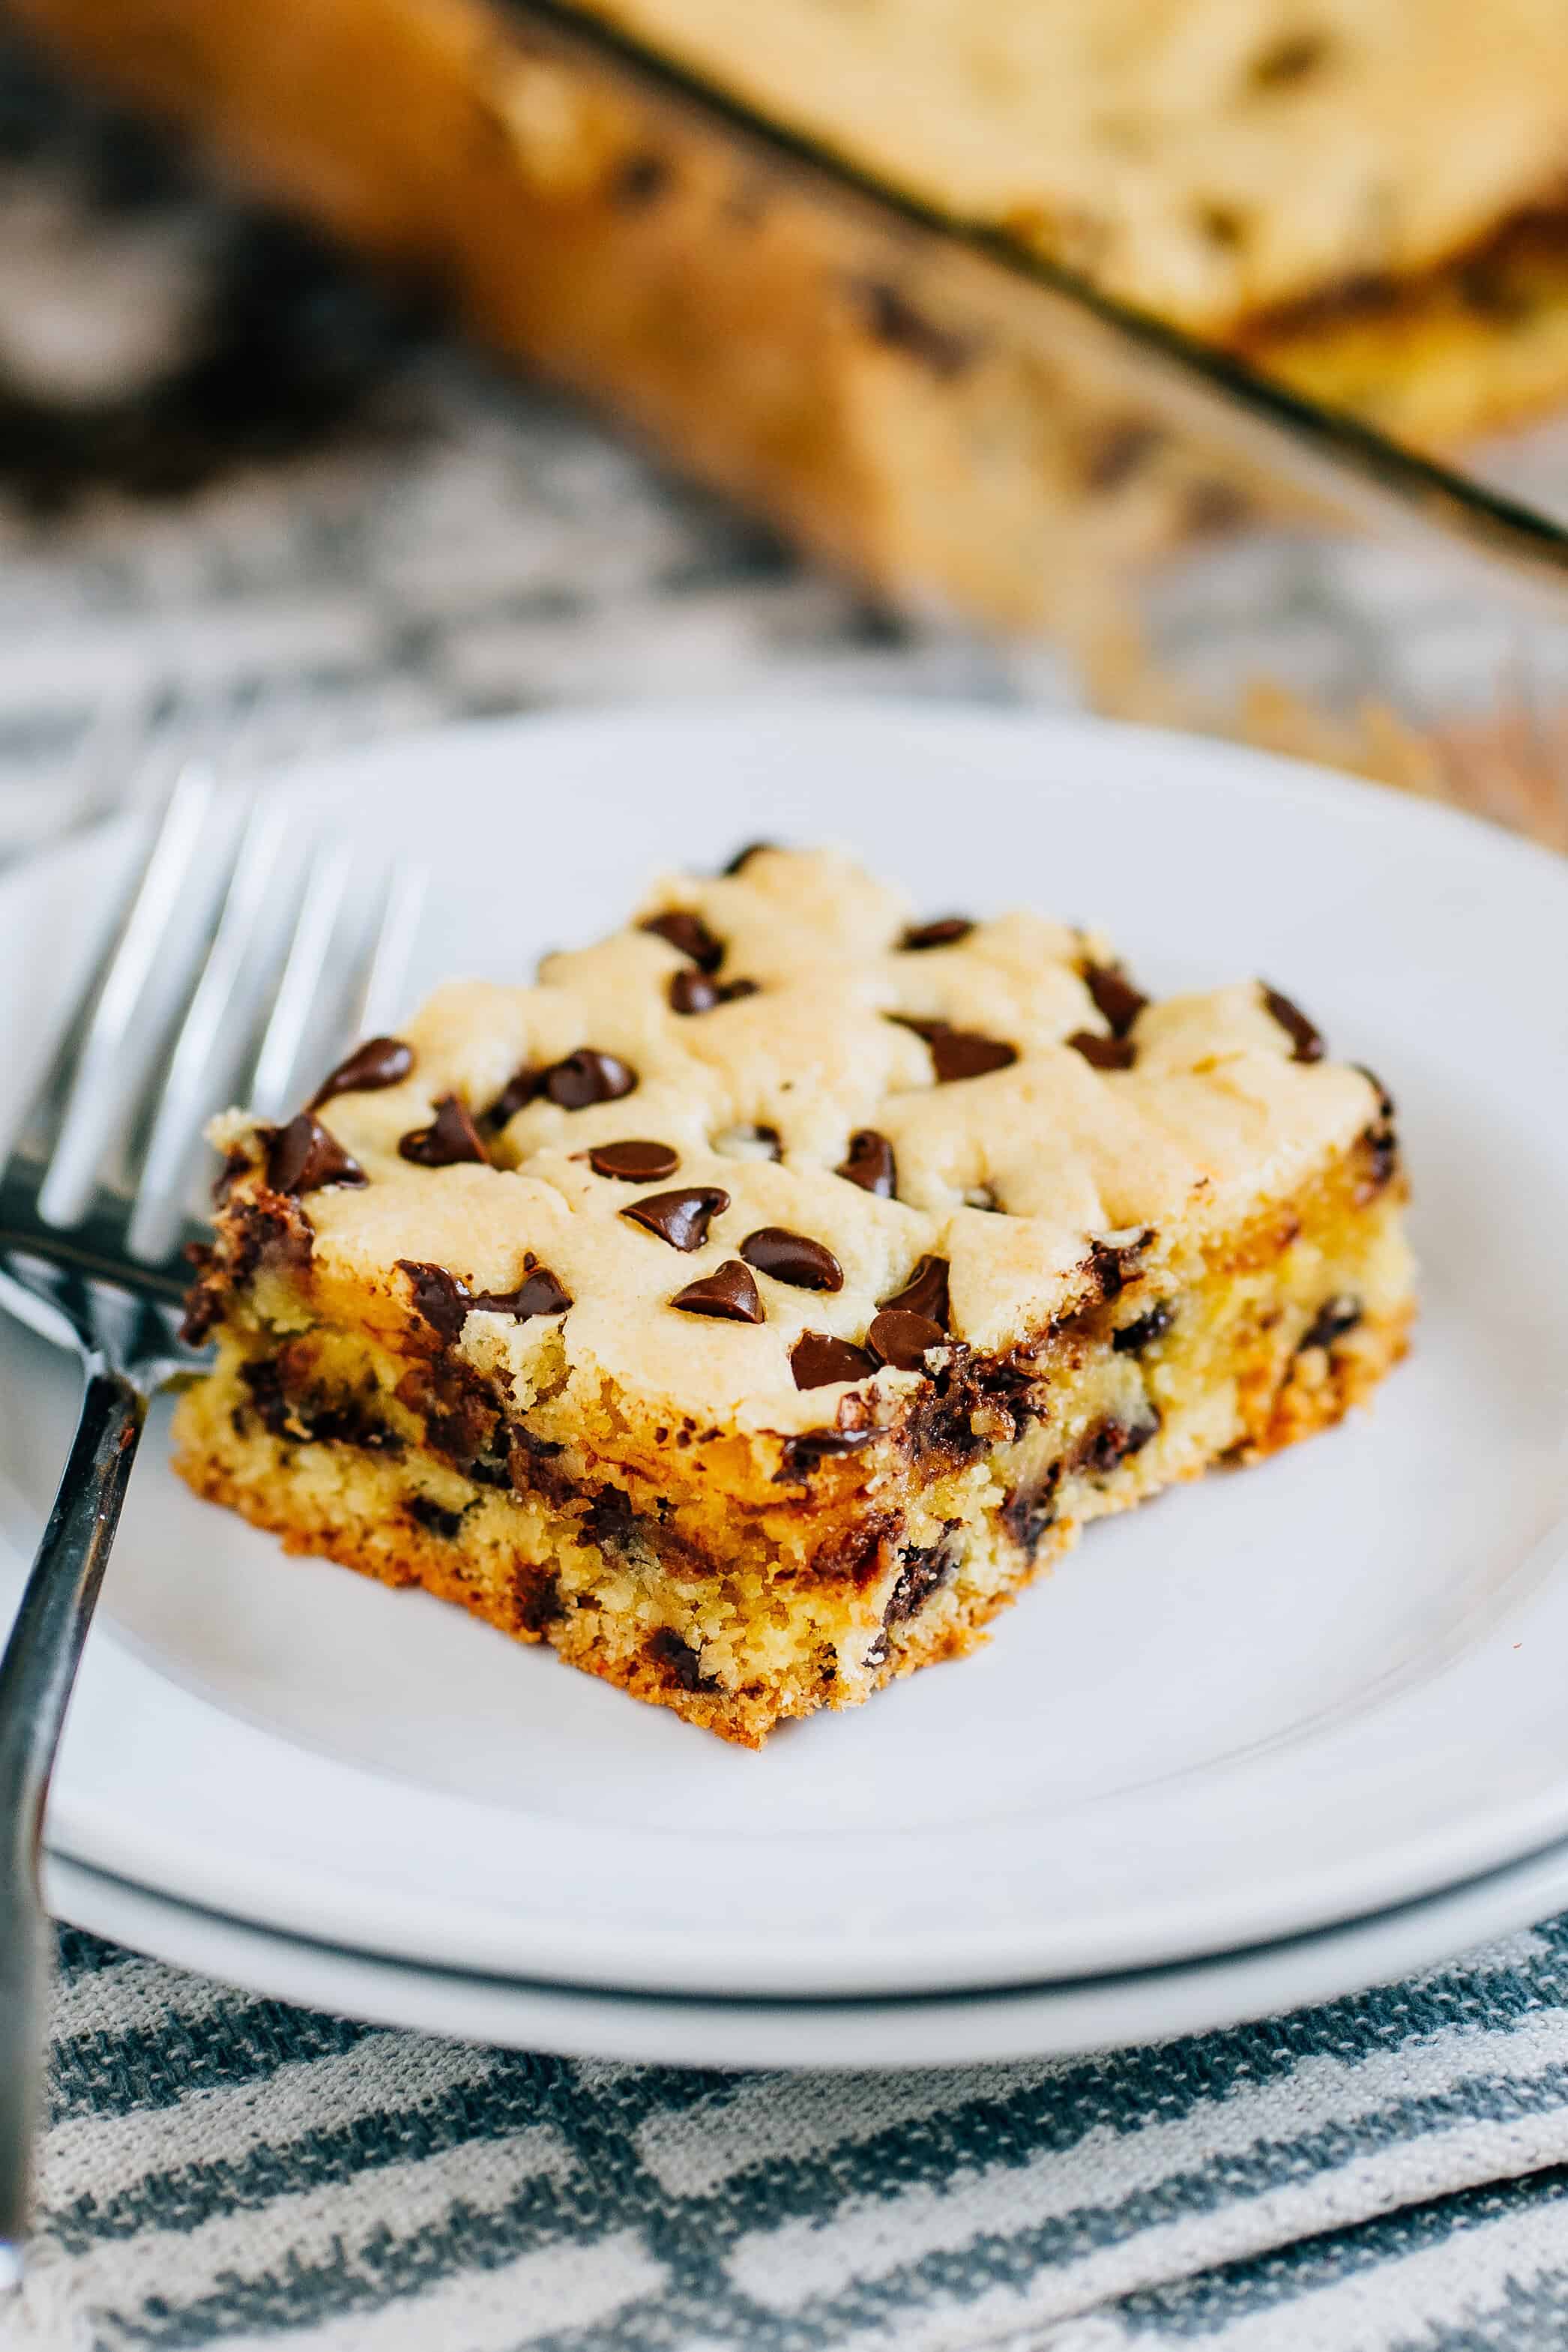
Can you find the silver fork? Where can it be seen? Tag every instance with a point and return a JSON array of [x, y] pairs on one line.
[[93, 1221]]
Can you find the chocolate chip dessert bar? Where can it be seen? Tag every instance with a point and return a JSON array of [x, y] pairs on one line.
[[752, 1306]]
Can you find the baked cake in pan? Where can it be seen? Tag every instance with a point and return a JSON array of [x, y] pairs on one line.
[[1365, 197], [753, 1305]]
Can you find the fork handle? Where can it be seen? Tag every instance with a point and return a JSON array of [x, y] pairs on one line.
[[36, 1677]]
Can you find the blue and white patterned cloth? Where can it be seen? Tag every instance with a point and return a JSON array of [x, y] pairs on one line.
[[1384, 2174]]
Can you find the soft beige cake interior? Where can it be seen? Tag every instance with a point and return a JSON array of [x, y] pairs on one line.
[[749, 1307]]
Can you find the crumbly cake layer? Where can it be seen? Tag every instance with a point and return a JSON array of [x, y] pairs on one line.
[[752, 1306]]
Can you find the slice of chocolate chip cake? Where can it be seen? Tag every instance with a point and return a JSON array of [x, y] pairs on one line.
[[752, 1307]]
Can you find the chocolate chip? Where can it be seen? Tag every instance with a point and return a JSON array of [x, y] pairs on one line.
[[302, 1156], [1306, 1041], [943, 933], [540, 1293], [379, 1062], [681, 1218], [519, 1089], [738, 864], [450, 1140], [958, 1052], [1115, 998], [1119, 451], [1133, 1338], [925, 1292], [690, 935], [900, 1338], [870, 1163], [817, 1359], [730, 1294], [793, 1258], [1333, 1321], [587, 1076], [446, 1302], [694, 992], [634, 1163], [1103, 1052]]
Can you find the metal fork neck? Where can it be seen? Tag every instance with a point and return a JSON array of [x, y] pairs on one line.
[[36, 1676]]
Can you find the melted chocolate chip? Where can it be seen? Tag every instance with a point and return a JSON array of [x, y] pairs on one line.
[[870, 1163], [798, 1456], [690, 935], [1333, 1321], [793, 1258], [958, 1052], [817, 1359], [1113, 1442], [1115, 998], [1133, 1338], [1030, 1510], [437, 1295], [900, 1338], [923, 1570], [636, 1163], [587, 1076], [379, 1062], [1114, 1262], [302, 1156], [681, 1218], [730, 1294], [1306, 1041], [945, 932], [739, 862], [694, 992], [1103, 1052], [925, 1292], [677, 1660], [446, 1302], [440, 1522], [450, 1140]]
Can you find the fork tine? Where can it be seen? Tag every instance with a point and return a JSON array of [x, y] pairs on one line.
[[304, 970], [381, 995], [192, 1084], [94, 1085]]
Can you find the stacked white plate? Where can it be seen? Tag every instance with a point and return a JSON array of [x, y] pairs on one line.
[[1288, 1731]]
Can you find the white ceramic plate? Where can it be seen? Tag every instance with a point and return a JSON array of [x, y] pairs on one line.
[[1278, 1701], [1101, 2012]]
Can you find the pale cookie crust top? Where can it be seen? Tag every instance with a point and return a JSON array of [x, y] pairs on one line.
[[848, 1130]]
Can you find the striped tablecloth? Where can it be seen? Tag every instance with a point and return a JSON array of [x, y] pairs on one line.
[[401, 539]]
